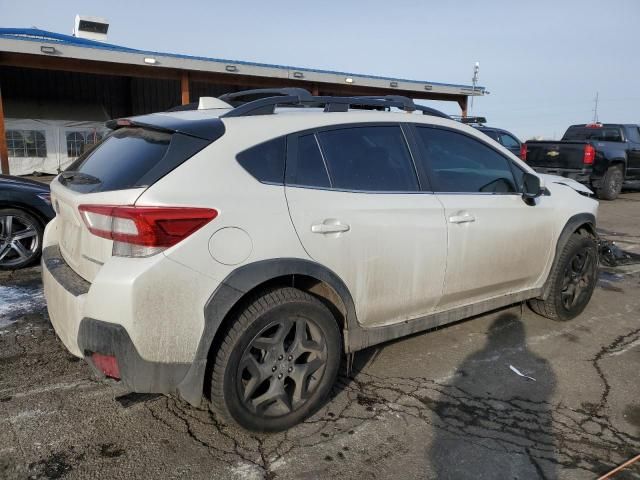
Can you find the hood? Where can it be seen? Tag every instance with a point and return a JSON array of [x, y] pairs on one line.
[[567, 182], [22, 182]]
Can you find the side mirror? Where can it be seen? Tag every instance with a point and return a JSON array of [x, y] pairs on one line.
[[531, 186]]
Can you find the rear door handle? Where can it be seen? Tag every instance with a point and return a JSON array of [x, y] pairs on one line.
[[465, 218], [330, 228]]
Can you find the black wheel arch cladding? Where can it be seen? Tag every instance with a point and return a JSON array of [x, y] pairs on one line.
[[233, 288]]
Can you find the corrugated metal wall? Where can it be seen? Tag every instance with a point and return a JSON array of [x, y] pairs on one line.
[[118, 96]]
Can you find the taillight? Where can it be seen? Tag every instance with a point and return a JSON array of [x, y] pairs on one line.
[[523, 152], [144, 231], [589, 154]]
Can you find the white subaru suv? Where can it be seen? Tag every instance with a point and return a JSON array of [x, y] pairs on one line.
[[235, 252]]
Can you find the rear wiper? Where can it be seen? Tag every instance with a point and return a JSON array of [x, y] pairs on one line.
[[79, 178]]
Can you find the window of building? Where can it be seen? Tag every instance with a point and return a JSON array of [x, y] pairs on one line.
[[80, 141], [26, 143]]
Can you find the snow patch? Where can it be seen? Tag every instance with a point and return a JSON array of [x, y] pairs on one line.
[[16, 301], [247, 471]]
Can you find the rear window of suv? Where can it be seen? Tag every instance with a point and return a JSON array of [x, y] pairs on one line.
[[130, 157]]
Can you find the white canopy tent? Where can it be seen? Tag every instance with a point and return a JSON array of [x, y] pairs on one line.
[[48, 146]]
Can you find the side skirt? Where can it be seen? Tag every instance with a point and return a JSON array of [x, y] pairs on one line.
[[360, 337]]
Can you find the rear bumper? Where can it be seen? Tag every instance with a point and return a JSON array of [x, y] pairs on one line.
[[136, 373], [579, 175], [66, 294]]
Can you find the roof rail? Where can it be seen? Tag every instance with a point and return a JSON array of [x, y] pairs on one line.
[[299, 97]]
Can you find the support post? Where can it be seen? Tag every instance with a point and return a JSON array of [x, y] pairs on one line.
[[4, 151], [184, 88], [315, 91], [463, 105]]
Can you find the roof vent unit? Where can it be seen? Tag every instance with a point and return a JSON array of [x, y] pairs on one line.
[[92, 28]]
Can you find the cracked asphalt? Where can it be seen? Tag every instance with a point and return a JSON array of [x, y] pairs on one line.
[[442, 404]]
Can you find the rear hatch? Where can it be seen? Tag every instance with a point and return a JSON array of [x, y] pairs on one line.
[[560, 155], [115, 173]]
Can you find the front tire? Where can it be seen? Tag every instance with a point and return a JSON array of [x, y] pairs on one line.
[[573, 280], [611, 183], [277, 362], [20, 239]]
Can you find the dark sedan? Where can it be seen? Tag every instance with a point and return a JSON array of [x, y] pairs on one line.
[[25, 209]]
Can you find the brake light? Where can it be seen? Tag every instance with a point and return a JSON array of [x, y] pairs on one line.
[[589, 154], [144, 231], [593, 125], [523, 152]]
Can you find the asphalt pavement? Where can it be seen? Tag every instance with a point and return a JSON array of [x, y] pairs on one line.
[[442, 404]]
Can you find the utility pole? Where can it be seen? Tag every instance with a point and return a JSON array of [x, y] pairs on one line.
[[474, 81], [595, 110]]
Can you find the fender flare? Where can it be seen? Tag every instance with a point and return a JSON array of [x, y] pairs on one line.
[[575, 222], [233, 288]]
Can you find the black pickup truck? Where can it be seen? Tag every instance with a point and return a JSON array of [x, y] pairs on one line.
[[603, 156]]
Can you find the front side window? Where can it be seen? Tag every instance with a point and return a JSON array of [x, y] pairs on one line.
[[461, 164], [371, 159], [26, 143]]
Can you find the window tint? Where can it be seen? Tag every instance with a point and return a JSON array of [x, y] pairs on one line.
[[491, 133], [459, 163], [508, 141], [124, 158], [369, 159], [265, 161], [79, 142], [310, 168], [634, 134], [604, 134]]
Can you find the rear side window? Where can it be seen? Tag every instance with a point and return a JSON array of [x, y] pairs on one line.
[[265, 162], [461, 164], [310, 169], [373, 159], [129, 158], [508, 141]]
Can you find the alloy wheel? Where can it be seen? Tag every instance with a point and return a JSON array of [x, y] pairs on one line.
[[19, 240], [282, 367], [577, 278]]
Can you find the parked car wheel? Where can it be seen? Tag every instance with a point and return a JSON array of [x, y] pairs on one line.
[[277, 362], [20, 239], [611, 183], [572, 280]]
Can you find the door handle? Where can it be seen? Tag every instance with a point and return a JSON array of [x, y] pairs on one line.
[[330, 228], [466, 218]]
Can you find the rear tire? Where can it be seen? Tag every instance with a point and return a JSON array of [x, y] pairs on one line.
[[20, 239], [277, 362], [572, 280], [611, 185]]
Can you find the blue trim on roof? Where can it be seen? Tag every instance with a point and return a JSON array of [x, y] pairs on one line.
[[37, 35]]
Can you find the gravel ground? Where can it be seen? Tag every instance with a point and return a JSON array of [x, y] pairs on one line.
[[443, 404]]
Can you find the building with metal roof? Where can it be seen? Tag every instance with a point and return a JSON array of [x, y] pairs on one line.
[[46, 76]]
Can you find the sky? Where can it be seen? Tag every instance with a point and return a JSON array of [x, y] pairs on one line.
[[542, 61]]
